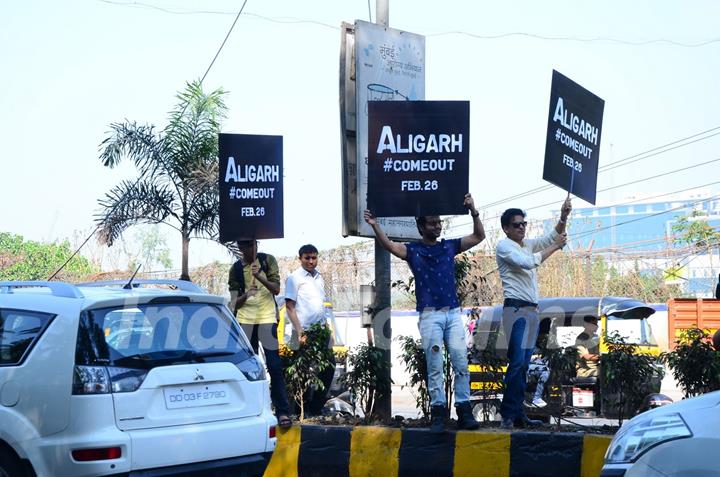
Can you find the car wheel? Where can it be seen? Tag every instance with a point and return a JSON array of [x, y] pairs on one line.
[[491, 411], [10, 464]]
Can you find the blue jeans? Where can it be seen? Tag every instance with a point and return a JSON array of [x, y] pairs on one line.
[[521, 328], [438, 328], [542, 374]]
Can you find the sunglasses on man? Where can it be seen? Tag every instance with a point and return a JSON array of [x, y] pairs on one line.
[[517, 225]]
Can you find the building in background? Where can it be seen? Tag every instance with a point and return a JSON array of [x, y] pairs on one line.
[[638, 233]]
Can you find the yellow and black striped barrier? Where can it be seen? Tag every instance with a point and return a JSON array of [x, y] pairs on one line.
[[338, 451]]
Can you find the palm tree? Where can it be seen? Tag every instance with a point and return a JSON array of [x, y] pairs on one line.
[[177, 182]]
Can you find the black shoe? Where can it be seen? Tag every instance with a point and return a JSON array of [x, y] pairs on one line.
[[466, 420], [437, 419]]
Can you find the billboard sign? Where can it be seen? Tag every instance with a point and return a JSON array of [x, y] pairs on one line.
[[251, 187], [572, 145], [418, 157], [389, 65]]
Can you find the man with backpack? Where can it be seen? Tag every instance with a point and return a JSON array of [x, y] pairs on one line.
[[253, 282]]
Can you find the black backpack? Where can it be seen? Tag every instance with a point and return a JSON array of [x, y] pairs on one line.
[[240, 276]]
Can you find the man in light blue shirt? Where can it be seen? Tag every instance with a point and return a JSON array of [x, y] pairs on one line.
[[518, 259]]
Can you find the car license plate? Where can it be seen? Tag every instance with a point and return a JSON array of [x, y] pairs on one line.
[[194, 395]]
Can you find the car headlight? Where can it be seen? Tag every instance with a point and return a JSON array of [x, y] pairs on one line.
[[637, 438]]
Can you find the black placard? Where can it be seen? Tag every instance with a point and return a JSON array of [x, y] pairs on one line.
[[251, 187], [418, 157], [572, 146]]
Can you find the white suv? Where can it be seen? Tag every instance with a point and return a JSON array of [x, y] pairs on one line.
[[101, 379]]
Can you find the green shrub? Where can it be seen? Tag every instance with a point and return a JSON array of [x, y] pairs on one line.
[[561, 361], [627, 376], [412, 357], [304, 362], [22, 259], [694, 362], [368, 376]]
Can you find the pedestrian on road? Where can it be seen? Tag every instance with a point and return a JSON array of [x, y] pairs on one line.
[[539, 369], [432, 263], [518, 259], [305, 306], [254, 282]]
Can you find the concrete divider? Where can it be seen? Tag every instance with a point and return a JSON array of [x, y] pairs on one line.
[[365, 451]]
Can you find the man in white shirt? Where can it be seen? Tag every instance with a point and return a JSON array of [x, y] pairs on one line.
[[305, 306], [518, 259]]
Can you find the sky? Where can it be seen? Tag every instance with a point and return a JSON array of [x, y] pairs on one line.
[[71, 68]]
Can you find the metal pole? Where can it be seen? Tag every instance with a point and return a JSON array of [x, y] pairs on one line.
[[382, 330], [382, 12], [381, 321]]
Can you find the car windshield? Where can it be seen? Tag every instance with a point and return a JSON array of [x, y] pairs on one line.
[[634, 331], [152, 335]]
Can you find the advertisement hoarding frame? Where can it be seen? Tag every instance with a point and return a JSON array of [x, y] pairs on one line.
[[392, 62]]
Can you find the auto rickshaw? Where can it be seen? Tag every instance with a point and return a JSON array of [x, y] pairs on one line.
[[561, 321]]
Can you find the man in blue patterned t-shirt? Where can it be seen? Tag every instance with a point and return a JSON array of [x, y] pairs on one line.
[[432, 262]]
